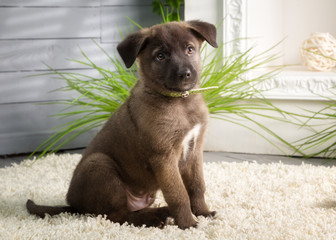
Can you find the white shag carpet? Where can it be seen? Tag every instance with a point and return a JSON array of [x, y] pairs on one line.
[[253, 201]]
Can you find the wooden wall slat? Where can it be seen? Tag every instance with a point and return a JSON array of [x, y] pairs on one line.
[[20, 55], [16, 118], [21, 88], [36, 23], [117, 16], [22, 131], [28, 142], [126, 2], [50, 3]]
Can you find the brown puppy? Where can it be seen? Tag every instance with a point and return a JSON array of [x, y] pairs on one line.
[[154, 140]]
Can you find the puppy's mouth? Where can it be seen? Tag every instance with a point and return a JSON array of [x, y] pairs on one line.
[[185, 87]]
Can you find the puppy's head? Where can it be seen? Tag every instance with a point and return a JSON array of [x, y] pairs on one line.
[[168, 54]]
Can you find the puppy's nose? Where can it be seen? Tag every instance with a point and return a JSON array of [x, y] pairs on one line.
[[185, 74]]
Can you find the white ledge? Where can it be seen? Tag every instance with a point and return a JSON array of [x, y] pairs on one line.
[[298, 83]]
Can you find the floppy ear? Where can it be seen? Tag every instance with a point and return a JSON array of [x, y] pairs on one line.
[[130, 47], [206, 31]]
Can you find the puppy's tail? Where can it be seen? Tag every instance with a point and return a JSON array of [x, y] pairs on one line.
[[41, 211]]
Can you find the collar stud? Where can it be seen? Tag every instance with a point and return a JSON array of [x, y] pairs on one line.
[[185, 94]]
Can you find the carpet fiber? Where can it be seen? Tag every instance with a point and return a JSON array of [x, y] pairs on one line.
[[253, 201]]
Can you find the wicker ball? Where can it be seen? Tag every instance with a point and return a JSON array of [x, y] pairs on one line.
[[318, 52]]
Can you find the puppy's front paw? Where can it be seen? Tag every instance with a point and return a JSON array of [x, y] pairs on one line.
[[158, 219], [184, 224], [208, 214], [153, 221]]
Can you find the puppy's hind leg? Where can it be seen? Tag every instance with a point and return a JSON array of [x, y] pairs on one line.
[[150, 217], [96, 188]]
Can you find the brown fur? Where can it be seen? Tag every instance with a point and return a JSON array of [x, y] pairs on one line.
[[140, 148]]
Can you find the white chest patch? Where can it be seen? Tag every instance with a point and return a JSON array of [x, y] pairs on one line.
[[191, 137]]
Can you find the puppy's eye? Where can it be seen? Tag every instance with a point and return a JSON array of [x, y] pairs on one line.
[[160, 56], [190, 50]]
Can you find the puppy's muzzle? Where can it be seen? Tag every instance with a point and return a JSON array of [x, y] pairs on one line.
[[185, 79], [184, 75]]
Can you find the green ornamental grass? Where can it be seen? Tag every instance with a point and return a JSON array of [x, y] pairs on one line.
[[322, 142], [98, 99]]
